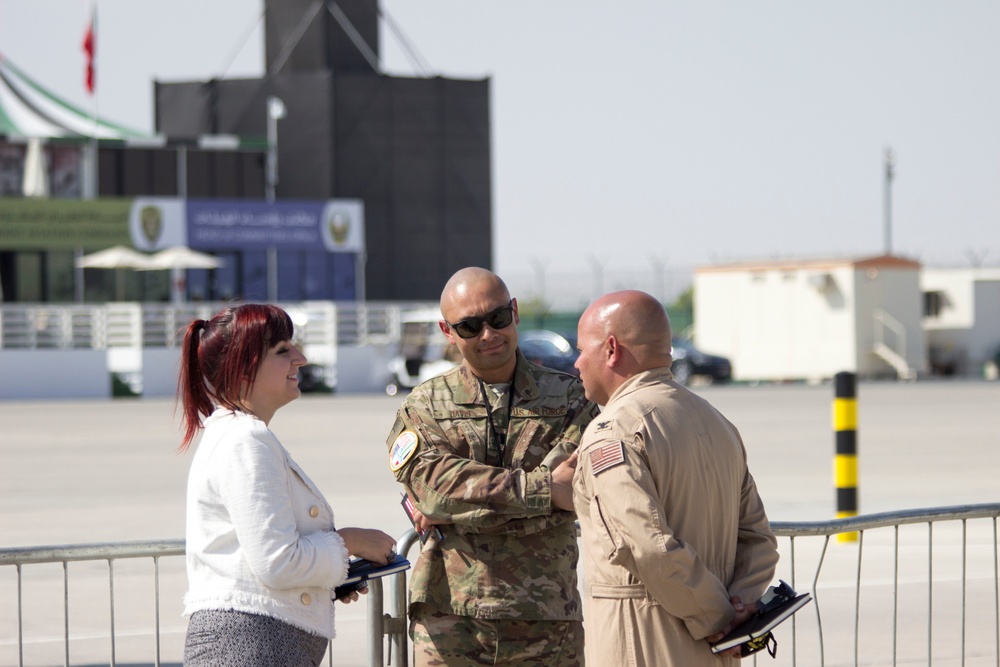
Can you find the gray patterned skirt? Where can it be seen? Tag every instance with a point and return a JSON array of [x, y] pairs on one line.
[[226, 638]]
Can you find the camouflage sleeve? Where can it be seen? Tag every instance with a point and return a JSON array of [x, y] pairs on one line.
[[578, 417], [449, 487], [579, 414]]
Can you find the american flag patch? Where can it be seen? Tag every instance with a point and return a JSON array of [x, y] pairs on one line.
[[408, 506], [606, 457]]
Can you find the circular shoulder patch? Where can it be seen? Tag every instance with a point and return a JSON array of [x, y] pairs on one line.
[[403, 449]]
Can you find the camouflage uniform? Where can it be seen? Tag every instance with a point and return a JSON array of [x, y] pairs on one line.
[[445, 639], [506, 552]]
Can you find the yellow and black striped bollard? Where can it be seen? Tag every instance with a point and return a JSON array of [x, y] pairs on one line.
[[845, 465]]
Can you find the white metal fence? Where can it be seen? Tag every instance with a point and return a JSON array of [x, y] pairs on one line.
[[99, 327], [917, 587]]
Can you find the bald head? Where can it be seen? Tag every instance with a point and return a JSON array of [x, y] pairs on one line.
[[465, 285], [479, 301], [637, 321], [619, 336]]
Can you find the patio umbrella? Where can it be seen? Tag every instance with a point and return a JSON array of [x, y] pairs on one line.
[[182, 257], [117, 257], [178, 259]]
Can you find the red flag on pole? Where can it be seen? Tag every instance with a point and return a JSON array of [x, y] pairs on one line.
[[90, 48]]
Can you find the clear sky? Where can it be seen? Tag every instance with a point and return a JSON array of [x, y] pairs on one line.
[[645, 133]]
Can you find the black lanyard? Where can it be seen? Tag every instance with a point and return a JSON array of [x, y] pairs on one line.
[[499, 438]]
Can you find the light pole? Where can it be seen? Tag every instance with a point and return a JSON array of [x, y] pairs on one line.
[[275, 112]]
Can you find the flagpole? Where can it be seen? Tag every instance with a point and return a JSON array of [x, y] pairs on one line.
[[93, 162], [97, 98]]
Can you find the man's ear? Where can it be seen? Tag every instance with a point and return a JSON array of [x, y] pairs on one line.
[[613, 353], [517, 318], [446, 330]]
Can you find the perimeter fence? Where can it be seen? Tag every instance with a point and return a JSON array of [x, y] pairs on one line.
[[916, 587]]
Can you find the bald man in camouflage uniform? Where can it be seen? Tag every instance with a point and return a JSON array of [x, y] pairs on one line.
[[486, 454]]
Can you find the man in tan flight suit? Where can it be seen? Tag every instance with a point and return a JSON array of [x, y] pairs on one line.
[[674, 534]]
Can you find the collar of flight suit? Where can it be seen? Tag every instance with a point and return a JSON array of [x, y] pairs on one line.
[[640, 380]]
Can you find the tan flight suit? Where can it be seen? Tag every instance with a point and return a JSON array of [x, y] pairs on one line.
[[672, 526]]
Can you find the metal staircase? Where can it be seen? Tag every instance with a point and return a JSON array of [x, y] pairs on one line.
[[890, 344]]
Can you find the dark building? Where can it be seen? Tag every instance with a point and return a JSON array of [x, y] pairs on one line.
[[236, 173], [416, 151]]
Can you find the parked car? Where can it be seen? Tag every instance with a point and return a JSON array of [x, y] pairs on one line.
[[313, 379], [549, 349], [690, 361]]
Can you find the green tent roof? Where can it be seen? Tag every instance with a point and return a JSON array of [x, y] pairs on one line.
[[29, 110]]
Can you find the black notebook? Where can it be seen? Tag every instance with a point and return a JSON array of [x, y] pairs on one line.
[[359, 571], [777, 604]]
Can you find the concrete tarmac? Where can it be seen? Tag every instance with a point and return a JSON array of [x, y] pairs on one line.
[[76, 472]]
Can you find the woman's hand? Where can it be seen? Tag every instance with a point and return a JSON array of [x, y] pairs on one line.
[[368, 543], [353, 596]]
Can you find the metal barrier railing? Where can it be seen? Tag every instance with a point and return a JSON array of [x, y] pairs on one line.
[[138, 325], [110, 552], [894, 520], [809, 640]]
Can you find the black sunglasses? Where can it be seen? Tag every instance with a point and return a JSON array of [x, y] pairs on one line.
[[497, 319]]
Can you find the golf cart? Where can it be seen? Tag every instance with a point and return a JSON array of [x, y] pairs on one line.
[[423, 351]]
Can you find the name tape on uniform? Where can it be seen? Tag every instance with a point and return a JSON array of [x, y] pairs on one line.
[[606, 457], [403, 449]]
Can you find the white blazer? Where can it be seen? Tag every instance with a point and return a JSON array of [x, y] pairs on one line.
[[260, 535]]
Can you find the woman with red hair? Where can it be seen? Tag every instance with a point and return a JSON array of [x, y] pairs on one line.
[[263, 553]]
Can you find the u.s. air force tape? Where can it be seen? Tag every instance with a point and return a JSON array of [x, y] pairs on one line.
[[607, 456], [403, 449]]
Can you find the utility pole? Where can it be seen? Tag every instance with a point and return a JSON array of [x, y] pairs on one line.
[[890, 164]]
